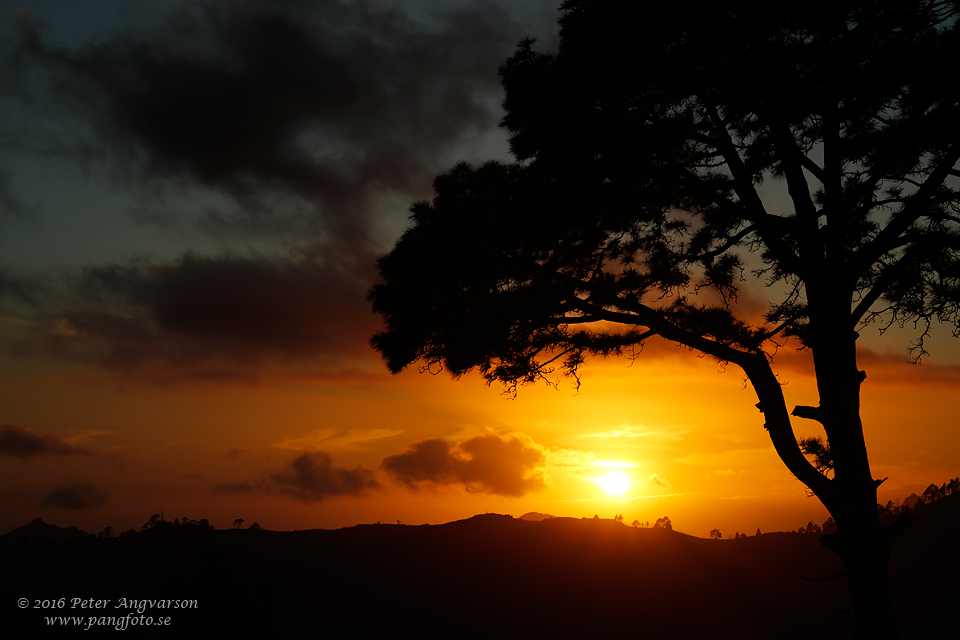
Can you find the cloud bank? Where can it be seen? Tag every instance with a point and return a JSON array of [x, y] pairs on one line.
[[325, 102], [19, 442], [194, 314], [293, 133]]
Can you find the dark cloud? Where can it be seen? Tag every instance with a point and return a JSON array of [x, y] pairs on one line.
[[485, 463], [286, 123], [75, 495], [325, 101], [17, 289], [20, 442], [198, 317], [311, 477], [881, 367], [10, 206], [427, 461]]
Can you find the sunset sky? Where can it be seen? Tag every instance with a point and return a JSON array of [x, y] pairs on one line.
[[192, 199]]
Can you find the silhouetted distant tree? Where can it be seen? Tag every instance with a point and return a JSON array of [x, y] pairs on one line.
[[618, 518], [885, 512], [636, 523], [663, 523], [152, 522], [238, 523], [715, 534], [933, 492], [930, 494], [829, 526], [758, 531], [633, 213]]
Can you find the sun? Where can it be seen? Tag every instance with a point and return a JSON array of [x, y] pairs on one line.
[[615, 483]]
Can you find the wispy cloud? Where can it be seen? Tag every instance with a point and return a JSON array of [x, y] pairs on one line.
[[640, 431], [729, 473], [658, 481], [20, 442], [232, 488], [331, 438]]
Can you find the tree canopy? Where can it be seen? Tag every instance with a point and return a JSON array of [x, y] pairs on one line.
[[639, 148], [633, 210]]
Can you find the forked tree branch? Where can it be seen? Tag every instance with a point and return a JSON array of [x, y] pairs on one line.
[[757, 368]]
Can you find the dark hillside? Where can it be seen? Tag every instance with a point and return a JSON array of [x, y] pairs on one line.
[[925, 571], [488, 576]]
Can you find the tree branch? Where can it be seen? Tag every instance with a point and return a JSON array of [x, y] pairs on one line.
[[912, 211], [812, 167], [778, 425], [754, 211], [731, 242]]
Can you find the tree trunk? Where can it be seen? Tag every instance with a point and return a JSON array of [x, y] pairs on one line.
[[865, 557], [861, 542], [851, 495], [869, 589]]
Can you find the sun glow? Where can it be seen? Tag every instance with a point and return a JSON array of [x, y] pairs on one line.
[[615, 483]]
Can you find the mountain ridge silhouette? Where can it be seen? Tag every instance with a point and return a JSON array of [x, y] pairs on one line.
[[488, 575]]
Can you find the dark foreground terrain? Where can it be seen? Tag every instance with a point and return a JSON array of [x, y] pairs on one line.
[[489, 576]]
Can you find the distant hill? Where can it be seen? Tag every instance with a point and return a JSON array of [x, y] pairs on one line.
[[39, 530], [490, 576], [533, 516]]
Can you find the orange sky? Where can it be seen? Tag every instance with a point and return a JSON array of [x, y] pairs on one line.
[[183, 322], [225, 450]]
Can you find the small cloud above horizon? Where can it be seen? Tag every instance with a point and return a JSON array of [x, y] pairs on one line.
[[75, 495], [309, 477], [488, 463], [656, 479]]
